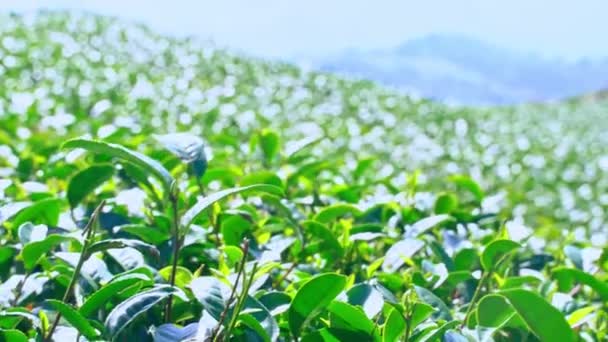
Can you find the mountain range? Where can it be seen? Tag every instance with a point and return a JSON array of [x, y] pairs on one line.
[[465, 70]]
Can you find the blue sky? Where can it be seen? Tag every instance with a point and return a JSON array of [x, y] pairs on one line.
[[282, 28]]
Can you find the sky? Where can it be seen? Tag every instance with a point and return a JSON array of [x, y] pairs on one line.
[[287, 29]]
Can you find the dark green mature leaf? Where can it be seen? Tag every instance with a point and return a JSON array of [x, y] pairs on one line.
[[567, 276], [496, 251], [87, 180], [544, 320], [101, 297], [263, 316], [32, 252], [312, 297], [44, 211], [420, 313], [169, 332], [330, 245], [11, 317], [125, 312], [203, 204], [367, 297], [348, 317], [12, 335], [153, 235], [75, 318], [276, 302], [118, 151], [437, 334], [233, 229], [495, 311], [256, 328], [212, 293], [104, 245], [332, 212], [394, 327], [430, 298]]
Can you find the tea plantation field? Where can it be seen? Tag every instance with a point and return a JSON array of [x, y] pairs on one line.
[[161, 189]]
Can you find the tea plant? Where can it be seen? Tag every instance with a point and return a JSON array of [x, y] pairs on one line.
[[157, 189]]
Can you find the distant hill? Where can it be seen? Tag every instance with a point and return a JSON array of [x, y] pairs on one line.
[[469, 71]]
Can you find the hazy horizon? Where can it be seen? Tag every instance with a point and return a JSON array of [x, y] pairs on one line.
[[275, 29]]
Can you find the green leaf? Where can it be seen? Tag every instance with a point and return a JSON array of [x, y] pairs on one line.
[[422, 226], [367, 297], [276, 302], [233, 228], [567, 276], [270, 143], [495, 311], [125, 312], [262, 177], [581, 316], [332, 212], [203, 204], [420, 313], [86, 181], [348, 317], [12, 335], [404, 249], [468, 184], [264, 317], [104, 245], [434, 301], [183, 276], [212, 293], [74, 317], [10, 318], [153, 235], [170, 332], [187, 147], [101, 297], [118, 151], [253, 324], [495, 252], [45, 211], [446, 203], [394, 327], [330, 245], [313, 297], [544, 320], [32, 252], [437, 334], [29, 233]]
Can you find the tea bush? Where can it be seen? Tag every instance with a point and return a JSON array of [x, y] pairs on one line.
[[162, 189]]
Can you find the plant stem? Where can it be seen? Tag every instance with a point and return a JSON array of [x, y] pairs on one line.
[[241, 300], [214, 222], [284, 275], [89, 230], [19, 289], [236, 282], [476, 295], [175, 243], [408, 328]]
